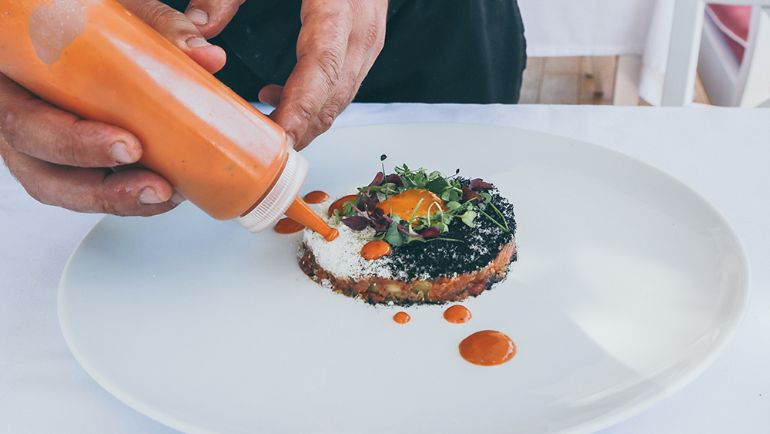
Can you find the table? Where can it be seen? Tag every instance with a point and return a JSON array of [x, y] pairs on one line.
[[721, 153]]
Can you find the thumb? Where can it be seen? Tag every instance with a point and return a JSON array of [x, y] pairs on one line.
[[211, 16], [179, 30]]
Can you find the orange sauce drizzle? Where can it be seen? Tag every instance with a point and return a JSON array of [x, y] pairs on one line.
[[316, 196], [418, 202], [375, 249], [487, 348], [287, 226], [457, 314], [401, 317], [339, 203]]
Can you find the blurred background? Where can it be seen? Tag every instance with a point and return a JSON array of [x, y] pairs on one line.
[[623, 52]]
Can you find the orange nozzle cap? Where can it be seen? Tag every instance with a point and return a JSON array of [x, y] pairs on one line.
[[300, 212]]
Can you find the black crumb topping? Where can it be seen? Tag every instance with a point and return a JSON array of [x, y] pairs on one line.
[[478, 246]]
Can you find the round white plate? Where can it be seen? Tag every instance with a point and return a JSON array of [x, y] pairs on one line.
[[628, 284]]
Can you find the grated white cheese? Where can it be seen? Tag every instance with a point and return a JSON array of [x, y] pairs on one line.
[[342, 257]]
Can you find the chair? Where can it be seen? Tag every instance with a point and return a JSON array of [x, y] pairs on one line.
[[750, 82]]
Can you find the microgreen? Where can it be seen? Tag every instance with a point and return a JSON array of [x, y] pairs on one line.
[[463, 199]]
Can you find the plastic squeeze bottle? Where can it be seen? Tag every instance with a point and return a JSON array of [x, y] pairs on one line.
[[95, 59]]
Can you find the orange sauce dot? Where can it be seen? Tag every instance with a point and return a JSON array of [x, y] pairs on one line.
[[287, 226], [339, 203], [487, 348], [457, 314], [401, 317], [375, 249], [316, 196]]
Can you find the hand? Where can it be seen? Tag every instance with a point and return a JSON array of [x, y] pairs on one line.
[[337, 46], [65, 161]]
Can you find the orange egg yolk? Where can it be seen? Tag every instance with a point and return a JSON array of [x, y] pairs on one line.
[[412, 204]]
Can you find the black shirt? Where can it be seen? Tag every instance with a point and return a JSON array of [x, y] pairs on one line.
[[461, 51]]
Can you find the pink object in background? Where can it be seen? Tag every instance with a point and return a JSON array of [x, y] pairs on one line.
[[733, 21]]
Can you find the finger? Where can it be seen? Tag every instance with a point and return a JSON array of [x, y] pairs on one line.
[[340, 99], [271, 95], [37, 129], [135, 192], [321, 49], [211, 16], [179, 30], [366, 42]]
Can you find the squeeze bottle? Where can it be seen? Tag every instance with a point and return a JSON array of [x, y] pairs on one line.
[[97, 60]]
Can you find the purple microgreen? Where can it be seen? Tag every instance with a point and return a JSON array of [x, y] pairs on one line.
[[380, 226], [431, 232], [469, 194], [378, 178], [479, 184], [357, 223], [393, 178]]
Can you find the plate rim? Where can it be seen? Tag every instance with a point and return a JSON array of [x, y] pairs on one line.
[[597, 423]]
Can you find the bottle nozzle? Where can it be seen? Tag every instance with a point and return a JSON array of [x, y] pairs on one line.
[[300, 212]]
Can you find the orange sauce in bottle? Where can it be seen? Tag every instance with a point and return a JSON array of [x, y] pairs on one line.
[[402, 317], [287, 226], [457, 314], [316, 196], [339, 203], [375, 249], [487, 348], [95, 59]]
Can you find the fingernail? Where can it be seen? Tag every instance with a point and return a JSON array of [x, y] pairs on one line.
[[148, 196], [120, 153], [177, 198], [197, 16], [197, 42]]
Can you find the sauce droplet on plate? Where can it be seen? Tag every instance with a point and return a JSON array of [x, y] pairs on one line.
[[417, 202], [287, 226], [487, 348], [339, 203], [316, 196], [457, 314], [401, 317], [375, 250]]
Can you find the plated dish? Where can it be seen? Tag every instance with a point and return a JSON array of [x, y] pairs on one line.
[[414, 236]]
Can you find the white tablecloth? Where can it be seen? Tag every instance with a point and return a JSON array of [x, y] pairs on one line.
[[722, 153], [586, 27]]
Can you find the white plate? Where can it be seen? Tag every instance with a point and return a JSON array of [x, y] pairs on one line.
[[628, 284]]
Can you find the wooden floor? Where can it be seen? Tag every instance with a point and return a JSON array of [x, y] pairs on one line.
[[578, 80]]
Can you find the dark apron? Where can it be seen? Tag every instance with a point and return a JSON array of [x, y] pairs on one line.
[[453, 51]]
